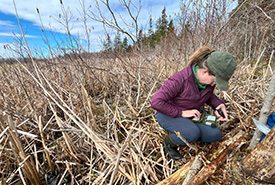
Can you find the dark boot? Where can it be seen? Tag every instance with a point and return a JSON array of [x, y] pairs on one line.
[[171, 148]]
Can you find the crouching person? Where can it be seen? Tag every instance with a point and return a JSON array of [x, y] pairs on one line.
[[185, 92]]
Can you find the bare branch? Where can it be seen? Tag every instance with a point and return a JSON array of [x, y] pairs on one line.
[[267, 16], [113, 22]]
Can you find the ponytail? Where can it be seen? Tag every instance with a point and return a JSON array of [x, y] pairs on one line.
[[200, 56]]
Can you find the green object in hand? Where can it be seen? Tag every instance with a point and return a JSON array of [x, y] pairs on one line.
[[206, 118], [210, 120]]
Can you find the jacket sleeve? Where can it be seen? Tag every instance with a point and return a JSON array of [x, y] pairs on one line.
[[214, 101], [160, 101]]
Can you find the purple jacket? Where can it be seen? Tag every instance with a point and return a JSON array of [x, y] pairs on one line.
[[180, 92]]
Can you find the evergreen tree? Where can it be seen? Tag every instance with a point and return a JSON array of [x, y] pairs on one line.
[[161, 27], [151, 34], [125, 44], [117, 42], [171, 28], [150, 31], [162, 23], [107, 44]]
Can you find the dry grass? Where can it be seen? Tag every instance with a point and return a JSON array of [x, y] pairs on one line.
[[92, 123]]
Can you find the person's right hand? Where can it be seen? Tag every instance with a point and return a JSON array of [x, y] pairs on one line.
[[190, 113], [220, 118]]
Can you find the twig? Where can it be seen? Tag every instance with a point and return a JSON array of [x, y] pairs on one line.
[[251, 74], [121, 150], [139, 83], [269, 66], [131, 107], [150, 92], [240, 118], [186, 142], [44, 144], [267, 16], [62, 177], [68, 141]]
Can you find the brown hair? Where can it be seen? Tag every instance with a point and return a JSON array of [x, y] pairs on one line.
[[200, 56]]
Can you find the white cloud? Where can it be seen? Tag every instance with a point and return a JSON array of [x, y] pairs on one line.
[[7, 24], [52, 16], [16, 34]]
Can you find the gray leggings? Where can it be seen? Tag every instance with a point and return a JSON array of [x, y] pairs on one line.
[[188, 130]]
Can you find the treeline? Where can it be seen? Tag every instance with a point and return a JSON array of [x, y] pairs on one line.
[[246, 31], [146, 38]]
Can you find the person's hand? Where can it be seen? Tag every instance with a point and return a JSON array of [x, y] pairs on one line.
[[222, 107], [190, 113]]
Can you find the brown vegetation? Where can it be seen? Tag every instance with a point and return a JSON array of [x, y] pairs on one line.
[[87, 120]]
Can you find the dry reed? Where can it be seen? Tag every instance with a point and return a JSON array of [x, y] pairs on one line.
[[100, 129]]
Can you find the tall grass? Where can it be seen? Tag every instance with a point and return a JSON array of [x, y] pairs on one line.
[[102, 130]]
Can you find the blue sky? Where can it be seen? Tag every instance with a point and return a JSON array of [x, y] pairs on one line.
[[50, 11]]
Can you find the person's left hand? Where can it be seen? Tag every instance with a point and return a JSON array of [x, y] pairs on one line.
[[222, 107]]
